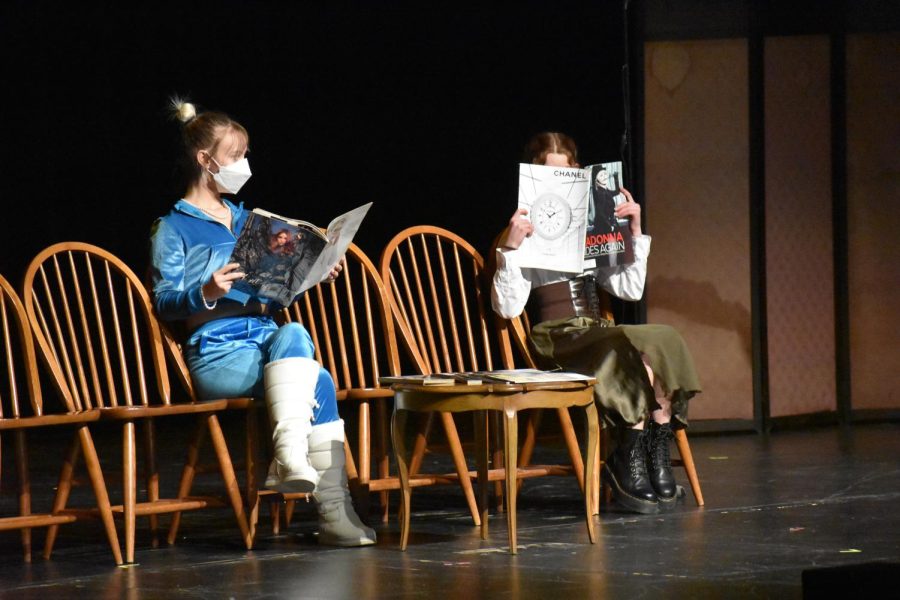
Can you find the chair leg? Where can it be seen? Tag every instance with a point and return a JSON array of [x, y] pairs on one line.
[[532, 424], [358, 490], [565, 422], [63, 489], [187, 475], [483, 450], [129, 487], [275, 510], [382, 458], [603, 449], [495, 433], [251, 457], [92, 462], [257, 430], [684, 449], [364, 467], [595, 478], [459, 460], [228, 476], [289, 506], [151, 474], [599, 489], [418, 452], [275, 500], [24, 488]]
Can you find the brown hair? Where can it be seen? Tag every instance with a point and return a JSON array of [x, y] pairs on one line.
[[201, 132], [550, 142]]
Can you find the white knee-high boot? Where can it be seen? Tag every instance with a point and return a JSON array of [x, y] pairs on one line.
[[339, 525], [290, 385]]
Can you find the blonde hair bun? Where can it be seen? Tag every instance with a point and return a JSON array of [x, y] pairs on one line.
[[183, 110]]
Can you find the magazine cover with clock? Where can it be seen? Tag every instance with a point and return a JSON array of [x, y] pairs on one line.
[[573, 213]]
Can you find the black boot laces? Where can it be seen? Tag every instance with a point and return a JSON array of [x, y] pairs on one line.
[[637, 462], [659, 448]]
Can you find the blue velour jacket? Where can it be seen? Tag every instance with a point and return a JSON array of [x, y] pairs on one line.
[[186, 248]]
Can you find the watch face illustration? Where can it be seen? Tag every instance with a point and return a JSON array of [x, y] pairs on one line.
[[550, 216]]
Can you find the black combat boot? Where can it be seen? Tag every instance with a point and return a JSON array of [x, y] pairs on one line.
[[659, 465], [625, 471]]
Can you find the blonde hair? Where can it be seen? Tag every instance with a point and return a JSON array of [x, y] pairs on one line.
[[200, 131], [182, 110]]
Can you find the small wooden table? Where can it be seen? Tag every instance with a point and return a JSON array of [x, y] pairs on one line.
[[504, 397]]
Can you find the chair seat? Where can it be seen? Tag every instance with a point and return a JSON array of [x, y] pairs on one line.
[[241, 403], [139, 412], [87, 416], [369, 393]]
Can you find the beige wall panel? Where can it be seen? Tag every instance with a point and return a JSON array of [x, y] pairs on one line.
[[697, 212], [873, 197], [799, 250]]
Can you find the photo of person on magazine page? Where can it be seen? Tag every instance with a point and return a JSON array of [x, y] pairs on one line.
[[608, 238], [603, 200]]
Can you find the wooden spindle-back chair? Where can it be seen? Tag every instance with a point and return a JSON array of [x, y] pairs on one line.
[[22, 409], [173, 337], [440, 297], [97, 333], [521, 330], [354, 339]]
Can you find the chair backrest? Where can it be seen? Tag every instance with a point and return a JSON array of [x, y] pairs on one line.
[[350, 323], [441, 303], [95, 328], [518, 327], [173, 338], [18, 368]]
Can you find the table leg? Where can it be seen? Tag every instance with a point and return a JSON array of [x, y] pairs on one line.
[[511, 438], [398, 436], [591, 456]]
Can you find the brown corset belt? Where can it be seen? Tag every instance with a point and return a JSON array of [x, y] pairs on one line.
[[577, 297]]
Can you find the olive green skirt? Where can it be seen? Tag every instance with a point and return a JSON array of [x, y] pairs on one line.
[[612, 354]]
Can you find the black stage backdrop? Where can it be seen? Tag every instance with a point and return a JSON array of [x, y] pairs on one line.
[[423, 109]]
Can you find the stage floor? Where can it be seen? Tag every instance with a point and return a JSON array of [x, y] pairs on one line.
[[776, 506]]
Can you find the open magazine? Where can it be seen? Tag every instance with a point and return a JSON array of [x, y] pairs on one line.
[[281, 258], [573, 213], [486, 377]]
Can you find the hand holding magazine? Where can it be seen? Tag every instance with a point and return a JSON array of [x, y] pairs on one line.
[[281, 258], [573, 213]]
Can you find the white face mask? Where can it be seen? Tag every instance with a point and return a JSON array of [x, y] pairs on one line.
[[231, 178]]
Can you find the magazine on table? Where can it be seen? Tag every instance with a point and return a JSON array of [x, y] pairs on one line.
[[485, 377], [458, 378], [573, 213], [281, 258], [433, 379], [530, 376]]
